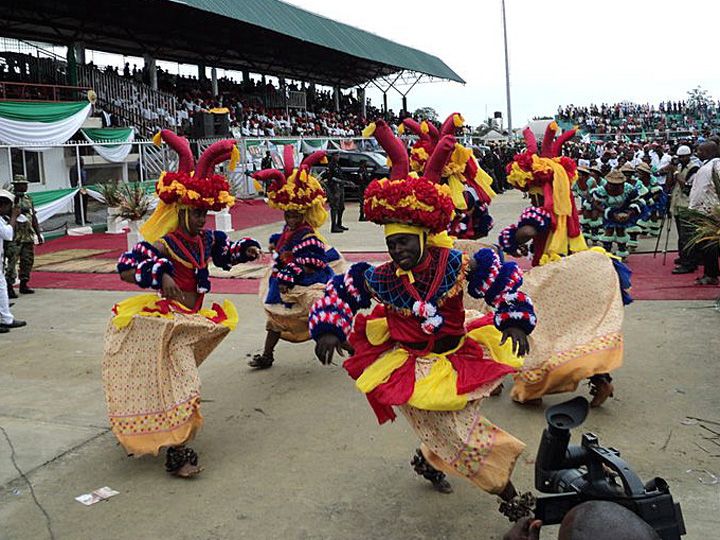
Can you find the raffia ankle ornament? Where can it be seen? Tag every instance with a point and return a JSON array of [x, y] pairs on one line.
[[518, 507], [430, 473], [176, 457]]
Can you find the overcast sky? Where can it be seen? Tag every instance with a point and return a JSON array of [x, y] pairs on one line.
[[561, 51]]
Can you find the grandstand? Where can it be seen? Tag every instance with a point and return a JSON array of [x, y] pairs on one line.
[[312, 58]]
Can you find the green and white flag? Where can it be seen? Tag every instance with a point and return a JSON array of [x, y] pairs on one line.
[[115, 153], [40, 123]]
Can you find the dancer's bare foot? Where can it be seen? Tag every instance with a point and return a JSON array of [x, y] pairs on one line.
[[261, 361], [188, 471], [602, 391], [537, 402]]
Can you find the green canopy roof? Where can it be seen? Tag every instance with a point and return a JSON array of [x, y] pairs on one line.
[[260, 36], [306, 26]]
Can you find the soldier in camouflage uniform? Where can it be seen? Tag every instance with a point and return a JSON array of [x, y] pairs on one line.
[[22, 248]]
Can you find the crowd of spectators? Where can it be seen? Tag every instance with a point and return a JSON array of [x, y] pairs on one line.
[[246, 102], [634, 119]]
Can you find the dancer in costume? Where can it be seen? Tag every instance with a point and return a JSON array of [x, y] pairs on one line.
[[634, 231], [575, 290], [656, 201], [470, 185], [155, 342], [590, 214], [303, 261], [417, 350], [623, 206]]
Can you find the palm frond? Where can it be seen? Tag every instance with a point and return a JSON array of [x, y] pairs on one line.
[[706, 227], [134, 202]]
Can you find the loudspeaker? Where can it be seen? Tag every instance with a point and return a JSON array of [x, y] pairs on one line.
[[221, 125], [203, 126]]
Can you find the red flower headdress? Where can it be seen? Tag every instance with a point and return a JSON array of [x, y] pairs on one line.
[[404, 197], [201, 188], [552, 175], [296, 188], [191, 186]]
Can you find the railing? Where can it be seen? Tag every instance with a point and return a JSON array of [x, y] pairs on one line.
[[290, 99], [137, 104], [41, 92]]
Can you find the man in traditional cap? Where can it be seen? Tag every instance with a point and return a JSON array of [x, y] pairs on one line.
[[680, 183], [22, 247], [8, 218]]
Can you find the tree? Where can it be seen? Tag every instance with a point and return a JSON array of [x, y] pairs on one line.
[[426, 113]]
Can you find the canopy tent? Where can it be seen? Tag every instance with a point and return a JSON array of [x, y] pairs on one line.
[[277, 38], [115, 153], [41, 123], [493, 135]]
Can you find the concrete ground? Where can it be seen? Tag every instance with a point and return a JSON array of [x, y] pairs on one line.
[[295, 452]]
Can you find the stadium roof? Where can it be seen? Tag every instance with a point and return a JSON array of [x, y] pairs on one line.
[[262, 36]]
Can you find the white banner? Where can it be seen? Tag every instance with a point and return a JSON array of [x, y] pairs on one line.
[[111, 152], [38, 133]]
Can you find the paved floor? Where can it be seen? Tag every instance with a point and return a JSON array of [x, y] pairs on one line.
[[295, 452]]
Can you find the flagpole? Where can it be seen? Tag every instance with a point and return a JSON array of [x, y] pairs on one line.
[[507, 73]]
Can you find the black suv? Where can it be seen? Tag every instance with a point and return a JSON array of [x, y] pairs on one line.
[[349, 162]]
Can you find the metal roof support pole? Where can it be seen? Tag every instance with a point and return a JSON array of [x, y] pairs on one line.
[[507, 72], [385, 104], [214, 81], [336, 98], [151, 69], [363, 102]]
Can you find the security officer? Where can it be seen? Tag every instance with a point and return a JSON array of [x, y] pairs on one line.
[[22, 248]]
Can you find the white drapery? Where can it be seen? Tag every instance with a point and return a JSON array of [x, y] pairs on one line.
[[21, 133]]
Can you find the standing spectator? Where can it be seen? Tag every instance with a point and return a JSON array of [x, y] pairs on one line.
[[266, 162], [681, 178], [10, 212], [363, 181], [22, 247], [335, 188], [81, 197], [704, 199]]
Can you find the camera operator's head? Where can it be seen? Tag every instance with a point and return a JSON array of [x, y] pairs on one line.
[[603, 520], [593, 520]]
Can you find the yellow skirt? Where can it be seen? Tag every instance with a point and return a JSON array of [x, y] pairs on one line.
[[292, 322], [579, 310], [150, 370]]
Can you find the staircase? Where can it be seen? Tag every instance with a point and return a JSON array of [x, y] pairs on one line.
[[136, 104]]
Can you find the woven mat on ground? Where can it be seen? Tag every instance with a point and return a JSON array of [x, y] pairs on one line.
[[56, 257]]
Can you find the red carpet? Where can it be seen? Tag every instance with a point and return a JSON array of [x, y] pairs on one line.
[[244, 215], [651, 280]]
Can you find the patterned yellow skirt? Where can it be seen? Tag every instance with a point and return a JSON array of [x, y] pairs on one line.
[[152, 351]]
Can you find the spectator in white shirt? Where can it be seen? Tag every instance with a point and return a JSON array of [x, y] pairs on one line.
[[704, 198], [8, 217]]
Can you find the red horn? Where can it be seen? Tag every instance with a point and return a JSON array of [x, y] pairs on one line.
[[216, 153], [548, 138], [562, 139], [450, 125], [433, 132], [266, 175], [288, 159], [314, 158], [439, 157], [530, 140], [182, 147], [395, 150]]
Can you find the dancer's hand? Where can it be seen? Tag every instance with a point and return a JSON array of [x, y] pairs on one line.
[[525, 529], [327, 345], [170, 289], [253, 253], [520, 344]]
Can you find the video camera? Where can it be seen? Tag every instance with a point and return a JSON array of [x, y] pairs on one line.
[[576, 474]]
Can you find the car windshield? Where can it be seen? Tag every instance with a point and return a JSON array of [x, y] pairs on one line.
[[379, 159]]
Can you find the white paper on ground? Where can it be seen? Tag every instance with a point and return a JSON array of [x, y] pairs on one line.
[[96, 496]]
